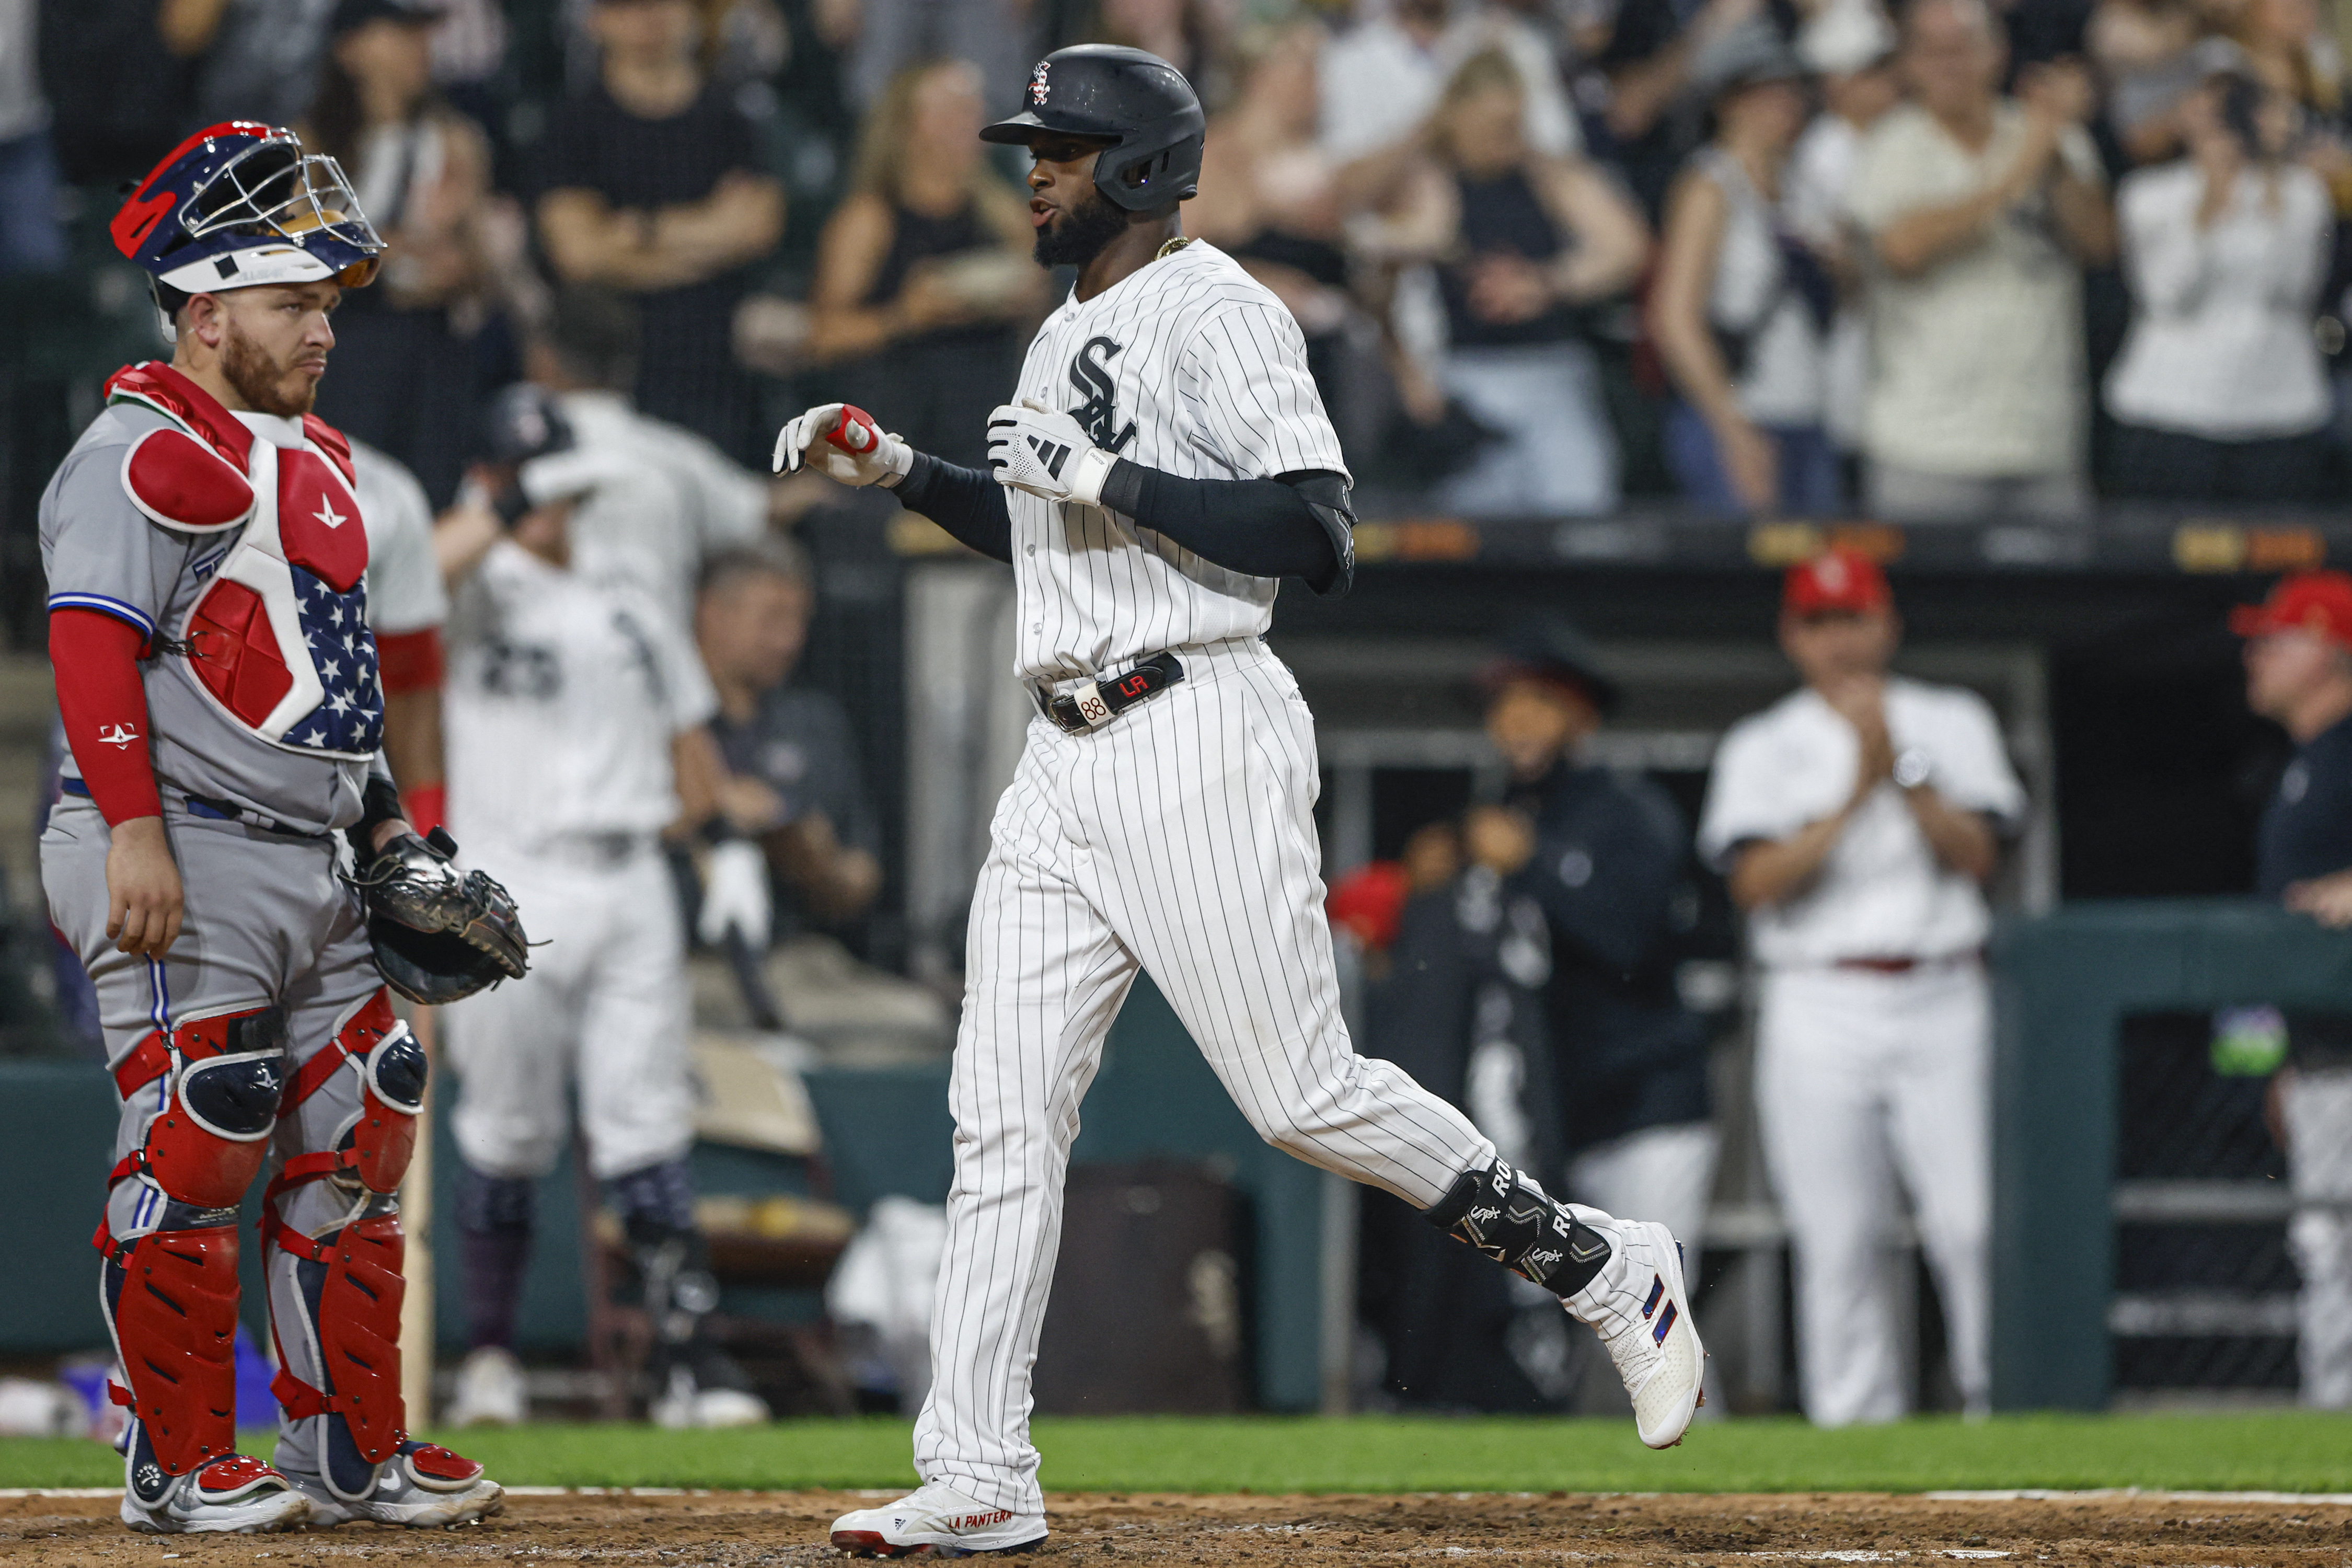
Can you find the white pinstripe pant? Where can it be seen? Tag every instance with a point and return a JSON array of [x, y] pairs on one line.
[[1178, 838]]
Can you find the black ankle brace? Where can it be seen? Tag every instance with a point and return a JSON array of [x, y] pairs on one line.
[[1507, 1216]]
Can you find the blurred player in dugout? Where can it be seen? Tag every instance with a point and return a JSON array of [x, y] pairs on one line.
[[1536, 991], [1858, 821], [2299, 674], [578, 714]]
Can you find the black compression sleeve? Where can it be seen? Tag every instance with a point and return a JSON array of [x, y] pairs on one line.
[[968, 502], [1263, 528]]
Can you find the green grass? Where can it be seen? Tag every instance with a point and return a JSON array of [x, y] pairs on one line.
[[2283, 1451]]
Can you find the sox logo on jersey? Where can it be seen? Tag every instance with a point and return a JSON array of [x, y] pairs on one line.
[[1099, 413]]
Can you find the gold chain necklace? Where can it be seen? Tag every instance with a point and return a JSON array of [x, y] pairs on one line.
[[1172, 248]]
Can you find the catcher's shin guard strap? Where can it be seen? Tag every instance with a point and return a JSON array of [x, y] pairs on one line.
[[351, 1283], [1506, 1215], [172, 1298]]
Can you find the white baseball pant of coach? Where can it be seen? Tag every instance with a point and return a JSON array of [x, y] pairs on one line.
[[1180, 837], [1859, 1076]]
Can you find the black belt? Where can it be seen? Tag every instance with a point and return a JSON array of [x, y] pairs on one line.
[[213, 810], [1077, 712]]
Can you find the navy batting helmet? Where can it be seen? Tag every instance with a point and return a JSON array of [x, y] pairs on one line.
[[1136, 101]]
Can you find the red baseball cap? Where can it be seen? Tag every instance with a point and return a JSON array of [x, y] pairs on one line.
[[1837, 580], [2315, 602]]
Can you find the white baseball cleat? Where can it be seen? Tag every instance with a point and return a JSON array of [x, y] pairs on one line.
[[233, 1494], [421, 1487], [686, 1405], [490, 1391], [1640, 1307], [936, 1520]]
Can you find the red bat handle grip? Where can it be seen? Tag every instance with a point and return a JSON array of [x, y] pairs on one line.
[[856, 431]]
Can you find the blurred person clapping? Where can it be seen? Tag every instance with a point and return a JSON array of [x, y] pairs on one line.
[[1979, 211], [1520, 241], [2219, 393], [1740, 308], [923, 272], [1270, 197]]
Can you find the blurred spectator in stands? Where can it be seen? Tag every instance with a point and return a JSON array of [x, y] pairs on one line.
[[1270, 197], [2154, 54], [1849, 46], [422, 173], [1740, 306], [794, 779], [1191, 34], [2220, 394], [1605, 855], [1000, 38], [1641, 76], [673, 501], [469, 53], [1856, 821], [256, 59], [1520, 240], [1381, 77], [118, 82], [923, 270], [30, 238], [658, 186], [1979, 211], [2299, 674], [2289, 47]]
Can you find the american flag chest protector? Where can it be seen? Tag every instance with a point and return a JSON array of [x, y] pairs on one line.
[[277, 639]]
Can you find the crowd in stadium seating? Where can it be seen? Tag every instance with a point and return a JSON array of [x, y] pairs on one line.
[[1766, 256]]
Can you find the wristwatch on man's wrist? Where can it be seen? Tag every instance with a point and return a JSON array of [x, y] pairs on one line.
[[1913, 767]]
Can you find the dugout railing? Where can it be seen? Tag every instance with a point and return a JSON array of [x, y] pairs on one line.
[[2139, 1207]]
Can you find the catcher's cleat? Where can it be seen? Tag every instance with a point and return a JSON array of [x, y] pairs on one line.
[[233, 1495], [1640, 1307], [421, 1487], [936, 1520]]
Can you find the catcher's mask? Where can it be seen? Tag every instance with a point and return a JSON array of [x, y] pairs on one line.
[[239, 206]]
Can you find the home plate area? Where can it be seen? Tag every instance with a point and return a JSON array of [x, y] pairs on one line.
[[2192, 1530]]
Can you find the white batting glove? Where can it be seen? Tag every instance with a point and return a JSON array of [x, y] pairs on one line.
[[1046, 453], [735, 895], [841, 441]]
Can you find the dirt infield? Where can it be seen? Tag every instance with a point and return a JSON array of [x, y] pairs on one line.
[[1702, 1531]]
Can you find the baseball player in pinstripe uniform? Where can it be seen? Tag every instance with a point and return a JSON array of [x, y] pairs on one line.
[[1166, 460]]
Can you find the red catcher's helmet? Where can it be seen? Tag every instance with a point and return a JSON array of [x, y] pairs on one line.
[[240, 205]]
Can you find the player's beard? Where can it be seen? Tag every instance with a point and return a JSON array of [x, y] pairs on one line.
[[1080, 234], [267, 385]]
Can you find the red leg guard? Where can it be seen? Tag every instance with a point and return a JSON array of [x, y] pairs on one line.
[[378, 1142], [226, 1075], [359, 1334], [175, 1323]]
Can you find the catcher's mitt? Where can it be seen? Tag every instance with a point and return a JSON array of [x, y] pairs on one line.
[[439, 934]]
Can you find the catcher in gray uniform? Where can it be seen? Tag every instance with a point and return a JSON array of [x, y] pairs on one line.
[[217, 684]]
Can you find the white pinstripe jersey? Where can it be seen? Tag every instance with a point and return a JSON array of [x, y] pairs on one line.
[[1189, 365]]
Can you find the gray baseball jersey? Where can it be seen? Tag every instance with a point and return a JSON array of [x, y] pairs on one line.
[[277, 714]]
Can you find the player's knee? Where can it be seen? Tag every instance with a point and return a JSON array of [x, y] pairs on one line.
[[208, 1143]]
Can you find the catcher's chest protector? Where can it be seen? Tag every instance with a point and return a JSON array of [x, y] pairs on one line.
[[278, 640]]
